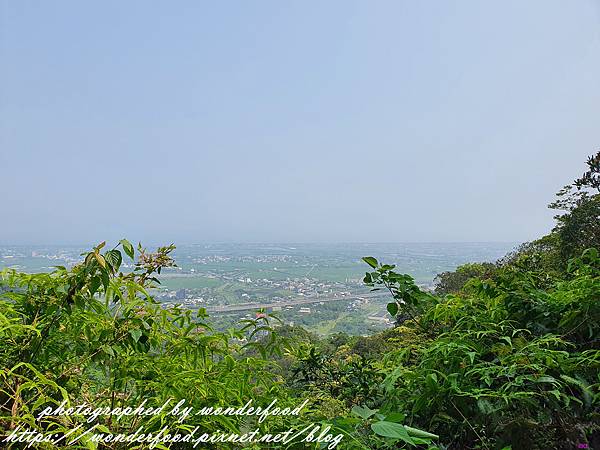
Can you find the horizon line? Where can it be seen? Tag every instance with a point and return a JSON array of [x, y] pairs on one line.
[[5, 244]]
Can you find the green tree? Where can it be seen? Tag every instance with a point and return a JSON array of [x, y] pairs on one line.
[[578, 226], [452, 282]]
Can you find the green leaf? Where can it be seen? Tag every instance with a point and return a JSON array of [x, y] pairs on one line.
[[114, 258], [485, 406], [127, 248], [395, 417], [556, 393], [102, 428], [363, 411], [584, 386], [105, 278], [391, 430], [392, 308], [471, 356], [94, 285], [547, 379], [420, 433], [89, 258], [135, 334], [432, 381], [370, 261]]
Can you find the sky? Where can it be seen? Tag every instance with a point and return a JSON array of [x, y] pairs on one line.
[[295, 121]]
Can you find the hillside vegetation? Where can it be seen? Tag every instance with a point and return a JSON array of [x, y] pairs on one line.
[[502, 355]]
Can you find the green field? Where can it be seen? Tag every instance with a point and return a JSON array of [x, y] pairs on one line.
[[188, 282]]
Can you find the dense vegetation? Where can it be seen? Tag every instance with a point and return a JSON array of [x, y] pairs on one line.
[[502, 355]]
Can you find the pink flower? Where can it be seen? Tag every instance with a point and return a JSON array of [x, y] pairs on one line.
[[260, 315]]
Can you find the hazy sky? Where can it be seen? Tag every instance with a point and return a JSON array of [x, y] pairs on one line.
[[196, 121]]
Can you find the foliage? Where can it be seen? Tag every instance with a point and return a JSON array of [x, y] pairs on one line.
[[510, 363], [578, 227], [408, 298], [505, 355], [93, 334], [454, 282]]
